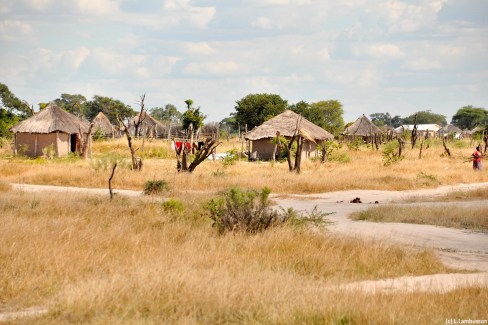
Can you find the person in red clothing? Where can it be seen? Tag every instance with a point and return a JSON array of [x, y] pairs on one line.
[[477, 158]]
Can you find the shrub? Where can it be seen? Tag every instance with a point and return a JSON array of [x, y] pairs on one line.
[[390, 153], [49, 151], [230, 158], [238, 210], [155, 187], [251, 212], [355, 144], [340, 156], [173, 205]]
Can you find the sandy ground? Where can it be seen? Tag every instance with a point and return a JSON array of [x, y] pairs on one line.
[[460, 249]]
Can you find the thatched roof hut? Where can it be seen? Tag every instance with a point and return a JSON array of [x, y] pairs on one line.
[[450, 129], [103, 125], [286, 124], [53, 128], [362, 127], [150, 127]]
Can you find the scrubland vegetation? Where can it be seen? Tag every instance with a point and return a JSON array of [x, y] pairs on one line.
[[148, 260], [346, 169], [472, 218]]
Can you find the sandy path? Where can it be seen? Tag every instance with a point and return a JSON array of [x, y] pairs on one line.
[[456, 248]]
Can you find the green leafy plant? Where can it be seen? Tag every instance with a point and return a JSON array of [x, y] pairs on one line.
[[173, 205], [49, 151], [155, 187], [251, 212], [355, 144], [231, 157], [390, 153], [238, 210]]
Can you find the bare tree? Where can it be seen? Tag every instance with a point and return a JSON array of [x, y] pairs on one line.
[[205, 150], [414, 131], [298, 155], [136, 161], [110, 181], [85, 145]]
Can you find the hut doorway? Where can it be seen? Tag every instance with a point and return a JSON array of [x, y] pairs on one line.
[[73, 138]]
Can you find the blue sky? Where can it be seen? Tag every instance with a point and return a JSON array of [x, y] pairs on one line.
[[372, 55]]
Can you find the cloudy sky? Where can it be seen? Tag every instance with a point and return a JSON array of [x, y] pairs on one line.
[[396, 56]]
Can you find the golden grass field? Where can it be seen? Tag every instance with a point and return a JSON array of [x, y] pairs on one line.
[[136, 261]]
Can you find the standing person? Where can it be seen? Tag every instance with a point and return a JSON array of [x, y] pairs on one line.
[[477, 158]]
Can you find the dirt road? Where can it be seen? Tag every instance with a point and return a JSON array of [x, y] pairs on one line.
[[457, 248]]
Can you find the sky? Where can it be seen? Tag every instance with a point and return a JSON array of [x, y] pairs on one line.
[[374, 56]]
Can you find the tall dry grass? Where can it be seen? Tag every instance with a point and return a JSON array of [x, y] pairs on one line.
[[472, 218], [364, 171], [92, 260]]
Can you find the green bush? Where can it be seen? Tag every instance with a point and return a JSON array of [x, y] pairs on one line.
[[339, 156], [247, 211], [390, 153], [173, 205], [230, 158], [251, 212], [155, 187]]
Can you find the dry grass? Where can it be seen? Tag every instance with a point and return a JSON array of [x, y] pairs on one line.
[[129, 261], [468, 195], [365, 171], [473, 218], [91, 260]]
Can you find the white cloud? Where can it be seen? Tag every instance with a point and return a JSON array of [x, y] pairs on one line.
[[13, 29], [200, 48], [182, 12], [74, 58], [411, 17], [38, 4], [423, 64], [384, 51], [218, 68], [97, 7], [262, 22]]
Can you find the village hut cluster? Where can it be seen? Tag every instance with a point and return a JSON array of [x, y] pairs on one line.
[[58, 132]]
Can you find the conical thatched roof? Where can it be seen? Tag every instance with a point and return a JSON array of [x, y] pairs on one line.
[[103, 123], [52, 119], [286, 123], [450, 129], [147, 120], [362, 127]]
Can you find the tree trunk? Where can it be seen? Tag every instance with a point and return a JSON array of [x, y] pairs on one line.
[[84, 149]]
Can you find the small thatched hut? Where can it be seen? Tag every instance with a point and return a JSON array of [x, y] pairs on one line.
[[261, 136], [52, 126], [362, 128], [150, 127], [102, 124], [450, 130]]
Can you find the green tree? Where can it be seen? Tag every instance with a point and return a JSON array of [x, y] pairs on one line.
[[254, 109], [380, 119], [426, 117], [7, 120], [468, 117], [12, 104], [327, 114], [110, 107], [303, 108], [75, 104], [192, 116], [167, 113], [396, 121], [229, 123]]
